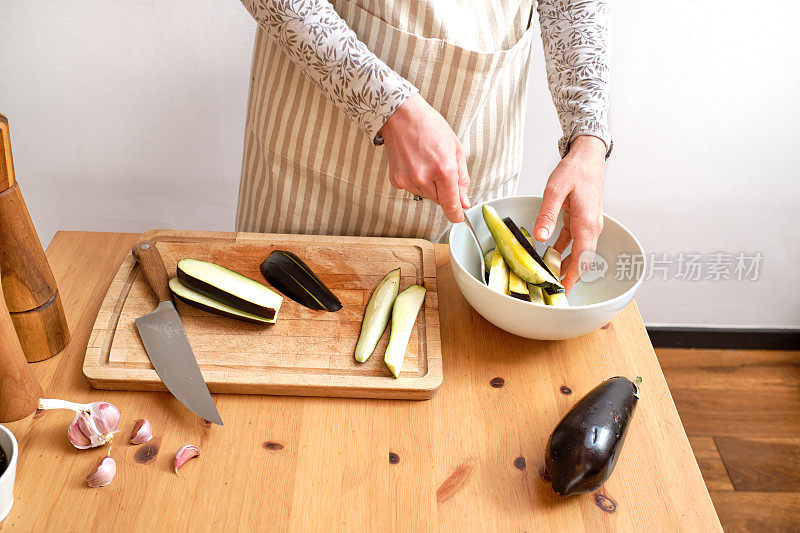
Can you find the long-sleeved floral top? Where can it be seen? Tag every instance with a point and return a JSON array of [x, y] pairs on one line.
[[574, 33]]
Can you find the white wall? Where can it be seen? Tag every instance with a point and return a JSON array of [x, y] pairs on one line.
[[128, 116]]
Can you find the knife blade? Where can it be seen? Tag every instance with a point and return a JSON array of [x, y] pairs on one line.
[[165, 340]]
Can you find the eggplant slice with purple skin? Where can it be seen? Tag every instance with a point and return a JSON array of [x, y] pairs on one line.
[[585, 445], [550, 288], [291, 276], [229, 288], [201, 301]]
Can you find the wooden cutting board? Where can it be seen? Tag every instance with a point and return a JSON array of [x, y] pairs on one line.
[[306, 352]]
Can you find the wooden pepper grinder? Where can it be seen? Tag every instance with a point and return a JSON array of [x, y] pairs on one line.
[[30, 290], [19, 390]]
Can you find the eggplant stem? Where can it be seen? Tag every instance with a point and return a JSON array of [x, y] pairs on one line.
[[636, 382]]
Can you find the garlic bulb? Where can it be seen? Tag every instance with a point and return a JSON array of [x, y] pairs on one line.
[[103, 474], [142, 431], [94, 424], [185, 453]]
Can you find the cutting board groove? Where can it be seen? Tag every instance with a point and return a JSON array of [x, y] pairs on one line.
[[306, 352]]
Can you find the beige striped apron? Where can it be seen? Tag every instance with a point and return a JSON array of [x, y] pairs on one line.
[[308, 169]]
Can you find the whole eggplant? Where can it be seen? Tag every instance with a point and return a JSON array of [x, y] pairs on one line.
[[584, 446]]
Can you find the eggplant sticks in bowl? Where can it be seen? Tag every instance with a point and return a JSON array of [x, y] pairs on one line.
[[523, 264]]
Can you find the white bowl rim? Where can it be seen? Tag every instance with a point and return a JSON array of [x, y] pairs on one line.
[[558, 309], [14, 452]]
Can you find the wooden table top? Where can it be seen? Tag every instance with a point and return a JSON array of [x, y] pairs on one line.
[[469, 459]]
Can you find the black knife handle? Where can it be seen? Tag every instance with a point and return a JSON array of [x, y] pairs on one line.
[[153, 267]]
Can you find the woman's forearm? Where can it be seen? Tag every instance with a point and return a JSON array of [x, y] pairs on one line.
[[324, 47], [575, 38]]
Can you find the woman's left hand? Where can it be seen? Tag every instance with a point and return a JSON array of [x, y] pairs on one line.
[[576, 185]]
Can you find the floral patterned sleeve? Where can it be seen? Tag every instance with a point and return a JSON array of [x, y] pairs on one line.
[[575, 37], [325, 48]]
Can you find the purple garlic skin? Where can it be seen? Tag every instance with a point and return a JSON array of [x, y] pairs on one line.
[[94, 426], [106, 416], [185, 453], [94, 423], [103, 474], [77, 437], [142, 431]]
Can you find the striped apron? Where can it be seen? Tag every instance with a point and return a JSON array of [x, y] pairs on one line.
[[308, 169]]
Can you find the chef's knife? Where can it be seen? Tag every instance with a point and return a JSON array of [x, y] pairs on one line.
[[165, 340]]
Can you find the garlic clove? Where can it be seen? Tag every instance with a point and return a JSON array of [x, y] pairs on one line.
[[103, 474], [77, 437], [88, 426], [142, 431], [106, 417], [84, 421], [185, 453]]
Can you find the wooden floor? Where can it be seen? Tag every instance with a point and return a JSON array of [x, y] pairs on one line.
[[741, 411]]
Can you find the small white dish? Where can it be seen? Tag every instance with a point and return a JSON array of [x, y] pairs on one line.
[[9, 445], [594, 301]]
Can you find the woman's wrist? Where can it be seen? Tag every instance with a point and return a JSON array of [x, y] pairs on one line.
[[586, 144], [587, 147], [402, 116]]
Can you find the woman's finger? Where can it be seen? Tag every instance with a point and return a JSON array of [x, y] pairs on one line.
[[582, 243], [565, 265], [394, 181], [409, 186], [553, 198], [463, 179], [447, 190], [424, 187], [565, 236]]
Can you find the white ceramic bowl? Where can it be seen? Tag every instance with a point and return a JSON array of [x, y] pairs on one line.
[[592, 303], [9, 445]]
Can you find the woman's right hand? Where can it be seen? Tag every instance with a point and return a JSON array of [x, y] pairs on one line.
[[425, 156]]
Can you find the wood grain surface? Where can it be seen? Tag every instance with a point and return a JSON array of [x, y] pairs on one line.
[[467, 460], [19, 390], [29, 287], [745, 440], [306, 352], [28, 282], [42, 332], [765, 400], [6, 159]]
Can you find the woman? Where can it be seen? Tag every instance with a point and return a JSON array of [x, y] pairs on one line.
[[364, 115]]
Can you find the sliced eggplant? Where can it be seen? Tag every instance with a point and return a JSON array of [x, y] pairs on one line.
[[515, 255], [585, 445], [498, 273], [290, 275], [404, 315], [552, 259], [536, 294], [552, 284], [558, 299], [518, 288], [200, 301], [376, 316], [551, 295], [487, 263], [229, 288]]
